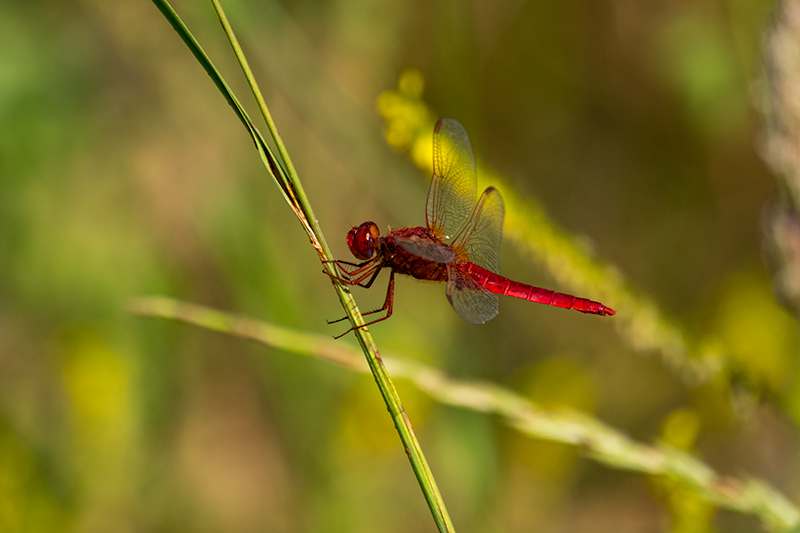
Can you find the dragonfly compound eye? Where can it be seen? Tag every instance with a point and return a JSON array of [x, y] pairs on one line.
[[361, 240]]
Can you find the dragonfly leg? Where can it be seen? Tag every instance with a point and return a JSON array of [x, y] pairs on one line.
[[358, 275], [388, 305], [341, 264], [358, 282]]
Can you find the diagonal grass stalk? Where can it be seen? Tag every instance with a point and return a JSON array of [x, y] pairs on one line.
[[289, 183]]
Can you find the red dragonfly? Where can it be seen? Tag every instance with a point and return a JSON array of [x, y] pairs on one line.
[[460, 243]]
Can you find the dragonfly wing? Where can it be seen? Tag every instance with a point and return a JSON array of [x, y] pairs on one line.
[[471, 301], [427, 249], [482, 234], [453, 187]]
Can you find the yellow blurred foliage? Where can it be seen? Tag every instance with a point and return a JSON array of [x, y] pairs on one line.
[[99, 387], [27, 502], [681, 428], [557, 383], [761, 336], [364, 425]]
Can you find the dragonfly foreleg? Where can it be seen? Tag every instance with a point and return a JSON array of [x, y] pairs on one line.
[[356, 276], [341, 264]]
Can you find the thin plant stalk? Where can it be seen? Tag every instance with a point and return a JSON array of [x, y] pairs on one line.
[[289, 183]]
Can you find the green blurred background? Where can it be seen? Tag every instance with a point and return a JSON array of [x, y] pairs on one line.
[[124, 173]]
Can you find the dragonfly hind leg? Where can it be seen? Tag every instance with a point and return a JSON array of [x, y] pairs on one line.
[[388, 305]]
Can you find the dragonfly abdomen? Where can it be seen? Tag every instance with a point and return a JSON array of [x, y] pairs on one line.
[[506, 287]]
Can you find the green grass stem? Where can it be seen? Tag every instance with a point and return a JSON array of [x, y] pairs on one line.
[[289, 183]]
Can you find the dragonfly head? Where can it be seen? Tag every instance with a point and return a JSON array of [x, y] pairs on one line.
[[362, 239]]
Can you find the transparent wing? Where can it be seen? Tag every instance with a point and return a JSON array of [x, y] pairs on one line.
[[427, 249], [453, 187], [471, 301], [481, 236]]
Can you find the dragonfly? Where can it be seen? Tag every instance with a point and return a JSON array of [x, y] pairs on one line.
[[460, 243]]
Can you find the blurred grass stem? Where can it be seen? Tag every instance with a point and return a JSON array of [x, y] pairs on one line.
[[602, 442]]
